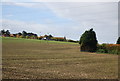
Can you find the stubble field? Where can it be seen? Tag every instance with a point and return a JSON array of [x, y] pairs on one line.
[[36, 59]]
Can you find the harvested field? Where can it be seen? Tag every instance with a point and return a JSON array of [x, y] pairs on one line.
[[36, 59]]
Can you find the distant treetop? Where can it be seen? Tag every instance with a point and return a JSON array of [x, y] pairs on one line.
[[118, 41]]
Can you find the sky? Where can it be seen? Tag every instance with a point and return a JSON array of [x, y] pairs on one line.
[[69, 19]]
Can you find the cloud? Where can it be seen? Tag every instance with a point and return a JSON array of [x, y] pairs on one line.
[[16, 0], [60, 0], [8, 15], [103, 17], [25, 4], [84, 10], [16, 26]]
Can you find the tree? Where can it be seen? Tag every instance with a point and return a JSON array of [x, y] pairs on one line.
[[88, 41], [32, 36], [19, 34], [24, 34], [36, 36], [118, 41], [2, 32], [50, 36], [64, 38], [7, 33]]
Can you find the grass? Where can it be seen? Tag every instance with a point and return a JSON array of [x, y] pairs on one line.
[[36, 40], [35, 59]]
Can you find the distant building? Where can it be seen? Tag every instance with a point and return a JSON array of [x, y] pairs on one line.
[[50, 37]]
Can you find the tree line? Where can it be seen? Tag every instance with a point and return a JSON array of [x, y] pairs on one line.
[[31, 35], [88, 41], [24, 34]]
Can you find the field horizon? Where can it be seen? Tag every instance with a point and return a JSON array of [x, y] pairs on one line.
[[40, 59]]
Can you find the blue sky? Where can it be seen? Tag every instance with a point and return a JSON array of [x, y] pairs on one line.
[[31, 14], [68, 19]]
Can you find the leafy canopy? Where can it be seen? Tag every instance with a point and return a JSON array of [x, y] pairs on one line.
[[88, 41], [118, 41]]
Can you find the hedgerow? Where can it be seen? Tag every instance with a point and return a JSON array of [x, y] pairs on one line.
[[109, 48]]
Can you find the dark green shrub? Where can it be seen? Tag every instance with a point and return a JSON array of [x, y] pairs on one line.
[[102, 48], [118, 41], [102, 51], [109, 48], [88, 41]]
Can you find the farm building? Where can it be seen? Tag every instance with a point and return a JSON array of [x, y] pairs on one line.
[[50, 37]]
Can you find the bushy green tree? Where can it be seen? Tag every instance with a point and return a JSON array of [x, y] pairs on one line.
[[19, 34], [7, 33], [88, 41], [118, 41], [24, 34], [2, 32]]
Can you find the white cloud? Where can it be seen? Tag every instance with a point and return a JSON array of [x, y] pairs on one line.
[[60, 0], [41, 29], [8, 15], [84, 10], [14, 25], [25, 4], [103, 17], [16, 0]]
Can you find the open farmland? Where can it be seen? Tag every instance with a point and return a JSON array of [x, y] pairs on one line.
[[37, 59]]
